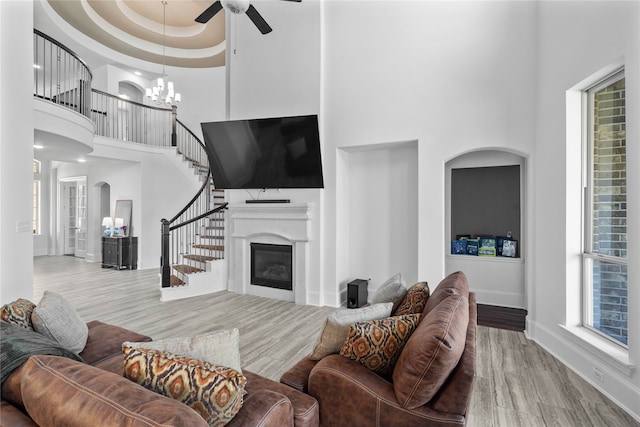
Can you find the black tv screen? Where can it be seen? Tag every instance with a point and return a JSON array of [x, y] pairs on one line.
[[281, 152]]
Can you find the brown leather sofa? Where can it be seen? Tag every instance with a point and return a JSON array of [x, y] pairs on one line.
[[50, 390], [431, 383]]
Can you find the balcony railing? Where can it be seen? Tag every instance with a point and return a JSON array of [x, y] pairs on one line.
[[60, 76], [126, 120]]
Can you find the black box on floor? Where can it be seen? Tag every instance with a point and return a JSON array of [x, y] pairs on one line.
[[357, 293]]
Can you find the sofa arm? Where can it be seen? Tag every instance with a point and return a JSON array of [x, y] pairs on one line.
[[61, 391], [264, 408], [350, 394], [13, 417], [298, 376]]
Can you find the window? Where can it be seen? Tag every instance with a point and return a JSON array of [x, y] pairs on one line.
[[605, 211], [36, 197]]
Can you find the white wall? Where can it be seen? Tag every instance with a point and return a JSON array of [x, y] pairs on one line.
[[455, 76], [576, 40], [382, 190], [16, 150]]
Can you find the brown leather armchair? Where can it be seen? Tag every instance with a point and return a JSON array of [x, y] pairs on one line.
[[349, 394]]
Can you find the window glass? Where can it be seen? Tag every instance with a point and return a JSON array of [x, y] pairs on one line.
[[606, 211]]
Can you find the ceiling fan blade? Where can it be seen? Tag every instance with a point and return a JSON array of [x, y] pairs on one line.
[[258, 20], [297, 1], [209, 12]]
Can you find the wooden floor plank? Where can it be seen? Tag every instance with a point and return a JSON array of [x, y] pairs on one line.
[[517, 382]]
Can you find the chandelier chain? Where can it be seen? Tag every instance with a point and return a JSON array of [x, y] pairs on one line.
[[160, 93]]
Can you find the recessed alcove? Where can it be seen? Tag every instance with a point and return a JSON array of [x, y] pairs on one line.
[[485, 193]]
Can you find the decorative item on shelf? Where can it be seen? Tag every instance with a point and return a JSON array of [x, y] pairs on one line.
[[159, 93], [486, 245], [124, 230], [510, 248], [459, 246], [499, 244], [472, 246], [118, 227], [107, 223]]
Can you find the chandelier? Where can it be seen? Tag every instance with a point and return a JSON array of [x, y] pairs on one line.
[[160, 93]]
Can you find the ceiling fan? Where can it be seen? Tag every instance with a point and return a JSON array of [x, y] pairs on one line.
[[237, 7]]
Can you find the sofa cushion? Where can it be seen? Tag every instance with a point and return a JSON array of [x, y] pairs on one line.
[[454, 283], [55, 317], [63, 392], [376, 344], [393, 290], [215, 392], [105, 341], [432, 352], [336, 327], [219, 347], [414, 300], [18, 313]]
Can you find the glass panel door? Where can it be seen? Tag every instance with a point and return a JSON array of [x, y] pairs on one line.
[[81, 218]]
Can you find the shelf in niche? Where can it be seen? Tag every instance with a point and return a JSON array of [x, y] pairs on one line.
[[473, 258]]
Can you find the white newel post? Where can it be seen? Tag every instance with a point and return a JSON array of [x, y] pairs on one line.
[[269, 223]]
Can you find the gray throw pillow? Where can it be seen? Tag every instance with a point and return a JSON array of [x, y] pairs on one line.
[[336, 327], [393, 290], [217, 347], [55, 318]]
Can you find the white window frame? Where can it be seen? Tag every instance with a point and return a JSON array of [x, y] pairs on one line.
[[588, 256]]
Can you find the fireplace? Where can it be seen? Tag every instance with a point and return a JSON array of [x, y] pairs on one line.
[[271, 266], [287, 224]]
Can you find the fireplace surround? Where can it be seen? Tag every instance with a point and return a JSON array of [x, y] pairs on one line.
[[285, 224]]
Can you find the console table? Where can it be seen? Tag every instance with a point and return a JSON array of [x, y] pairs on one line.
[[120, 252]]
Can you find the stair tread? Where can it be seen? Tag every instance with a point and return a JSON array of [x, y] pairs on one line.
[[210, 247], [175, 281], [186, 269], [211, 236], [199, 258]]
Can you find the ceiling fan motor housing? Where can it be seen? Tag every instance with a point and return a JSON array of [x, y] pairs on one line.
[[236, 6]]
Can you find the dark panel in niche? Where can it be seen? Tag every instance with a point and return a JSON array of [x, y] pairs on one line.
[[486, 200]]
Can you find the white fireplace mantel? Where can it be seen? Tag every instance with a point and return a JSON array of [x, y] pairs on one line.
[[269, 223]]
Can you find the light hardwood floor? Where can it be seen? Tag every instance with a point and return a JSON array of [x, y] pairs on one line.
[[517, 383]]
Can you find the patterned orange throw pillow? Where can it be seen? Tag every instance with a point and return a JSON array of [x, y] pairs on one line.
[[414, 300], [377, 344], [215, 392], [18, 313]]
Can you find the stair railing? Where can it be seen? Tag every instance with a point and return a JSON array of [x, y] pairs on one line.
[[192, 237], [190, 146]]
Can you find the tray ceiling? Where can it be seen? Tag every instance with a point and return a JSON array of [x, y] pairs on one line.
[[135, 28]]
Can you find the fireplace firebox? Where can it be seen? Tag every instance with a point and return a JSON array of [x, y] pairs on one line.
[[271, 266]]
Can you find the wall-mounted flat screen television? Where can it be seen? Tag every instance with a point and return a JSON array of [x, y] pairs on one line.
[[281, 152]]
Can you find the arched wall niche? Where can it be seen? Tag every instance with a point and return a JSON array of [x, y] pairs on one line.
[[486, 192]]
